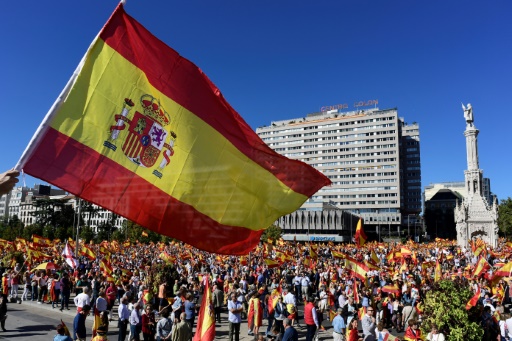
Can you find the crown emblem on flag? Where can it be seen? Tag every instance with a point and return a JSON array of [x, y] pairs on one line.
[[153, 109], [146, 138]]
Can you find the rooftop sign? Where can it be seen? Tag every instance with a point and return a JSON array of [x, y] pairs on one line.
[[345, 105]]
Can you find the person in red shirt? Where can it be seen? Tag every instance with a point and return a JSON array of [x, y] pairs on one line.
[[5, 285], [148, 324], [352, 332], [412, 333], [111, 293], [311, 319]]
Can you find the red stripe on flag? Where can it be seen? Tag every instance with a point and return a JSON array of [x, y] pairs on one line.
[[178, 78], [104, 182]]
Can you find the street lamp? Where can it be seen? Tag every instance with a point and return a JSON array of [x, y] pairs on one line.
[[415, 223]]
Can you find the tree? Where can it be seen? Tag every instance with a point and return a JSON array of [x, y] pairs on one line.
[[445, 305], [65, 217], [505, 216], [273, 232], [30, 230], [47, 210], [87, 233], [12, 229], [49, 232]]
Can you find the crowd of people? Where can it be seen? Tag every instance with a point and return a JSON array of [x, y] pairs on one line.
[[153, 290], [370, 292]]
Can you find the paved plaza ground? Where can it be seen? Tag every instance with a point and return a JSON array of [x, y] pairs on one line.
[[32, 321], [37, 322]]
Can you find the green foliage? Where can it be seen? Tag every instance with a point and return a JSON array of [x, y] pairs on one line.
[[53, 212], [10, 229], [119, 235], [105, 231], [17, 255], [63, 233], [29, 230], [445, 306], [273, 232], [48, 232], [87, 234], [505, 216]]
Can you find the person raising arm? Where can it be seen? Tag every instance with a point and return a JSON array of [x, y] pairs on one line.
[[8, 180]]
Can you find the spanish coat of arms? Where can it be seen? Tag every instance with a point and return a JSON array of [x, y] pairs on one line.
[[147, 135]]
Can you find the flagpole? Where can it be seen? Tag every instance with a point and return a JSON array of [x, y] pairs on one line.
[[78, 227]]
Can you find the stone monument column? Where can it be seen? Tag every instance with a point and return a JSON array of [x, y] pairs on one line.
[[475, 217]]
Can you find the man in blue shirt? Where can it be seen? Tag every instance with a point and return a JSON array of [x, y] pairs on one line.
[[290, 333], [338, 324], [234, 318], [79, 331], [190, 310]]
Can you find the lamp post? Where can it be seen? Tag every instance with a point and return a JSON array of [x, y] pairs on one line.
[[351, 227], [415, 223], [78, 226]]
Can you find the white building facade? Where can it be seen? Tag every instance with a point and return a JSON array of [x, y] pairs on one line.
[[371, 156]]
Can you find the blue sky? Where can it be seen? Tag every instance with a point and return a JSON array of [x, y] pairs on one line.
[[275, 60]]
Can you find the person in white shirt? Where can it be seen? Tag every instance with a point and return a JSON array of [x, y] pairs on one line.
[[101, 306], [488, 303], [297, 280], [508, 323], [101, 301], [322, 304], [82, 299], [305, 286], [43, 288], [435, 335], [503, 327], [124, 315], [289, 298], [342, 300]]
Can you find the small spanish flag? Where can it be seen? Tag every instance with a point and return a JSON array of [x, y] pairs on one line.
[[332, 315], [66, 330], [474, 300], [205, 330], [271, 263], [360, 236]]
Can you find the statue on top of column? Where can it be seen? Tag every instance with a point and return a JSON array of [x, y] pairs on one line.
[[468, 114]]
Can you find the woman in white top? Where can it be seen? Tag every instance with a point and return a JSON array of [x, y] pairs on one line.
[[503, 326], [435, 335]]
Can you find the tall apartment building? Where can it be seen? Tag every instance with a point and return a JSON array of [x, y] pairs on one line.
[[371, 156], [4, 205]]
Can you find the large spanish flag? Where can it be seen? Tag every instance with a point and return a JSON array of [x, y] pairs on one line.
[[143, 132]]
